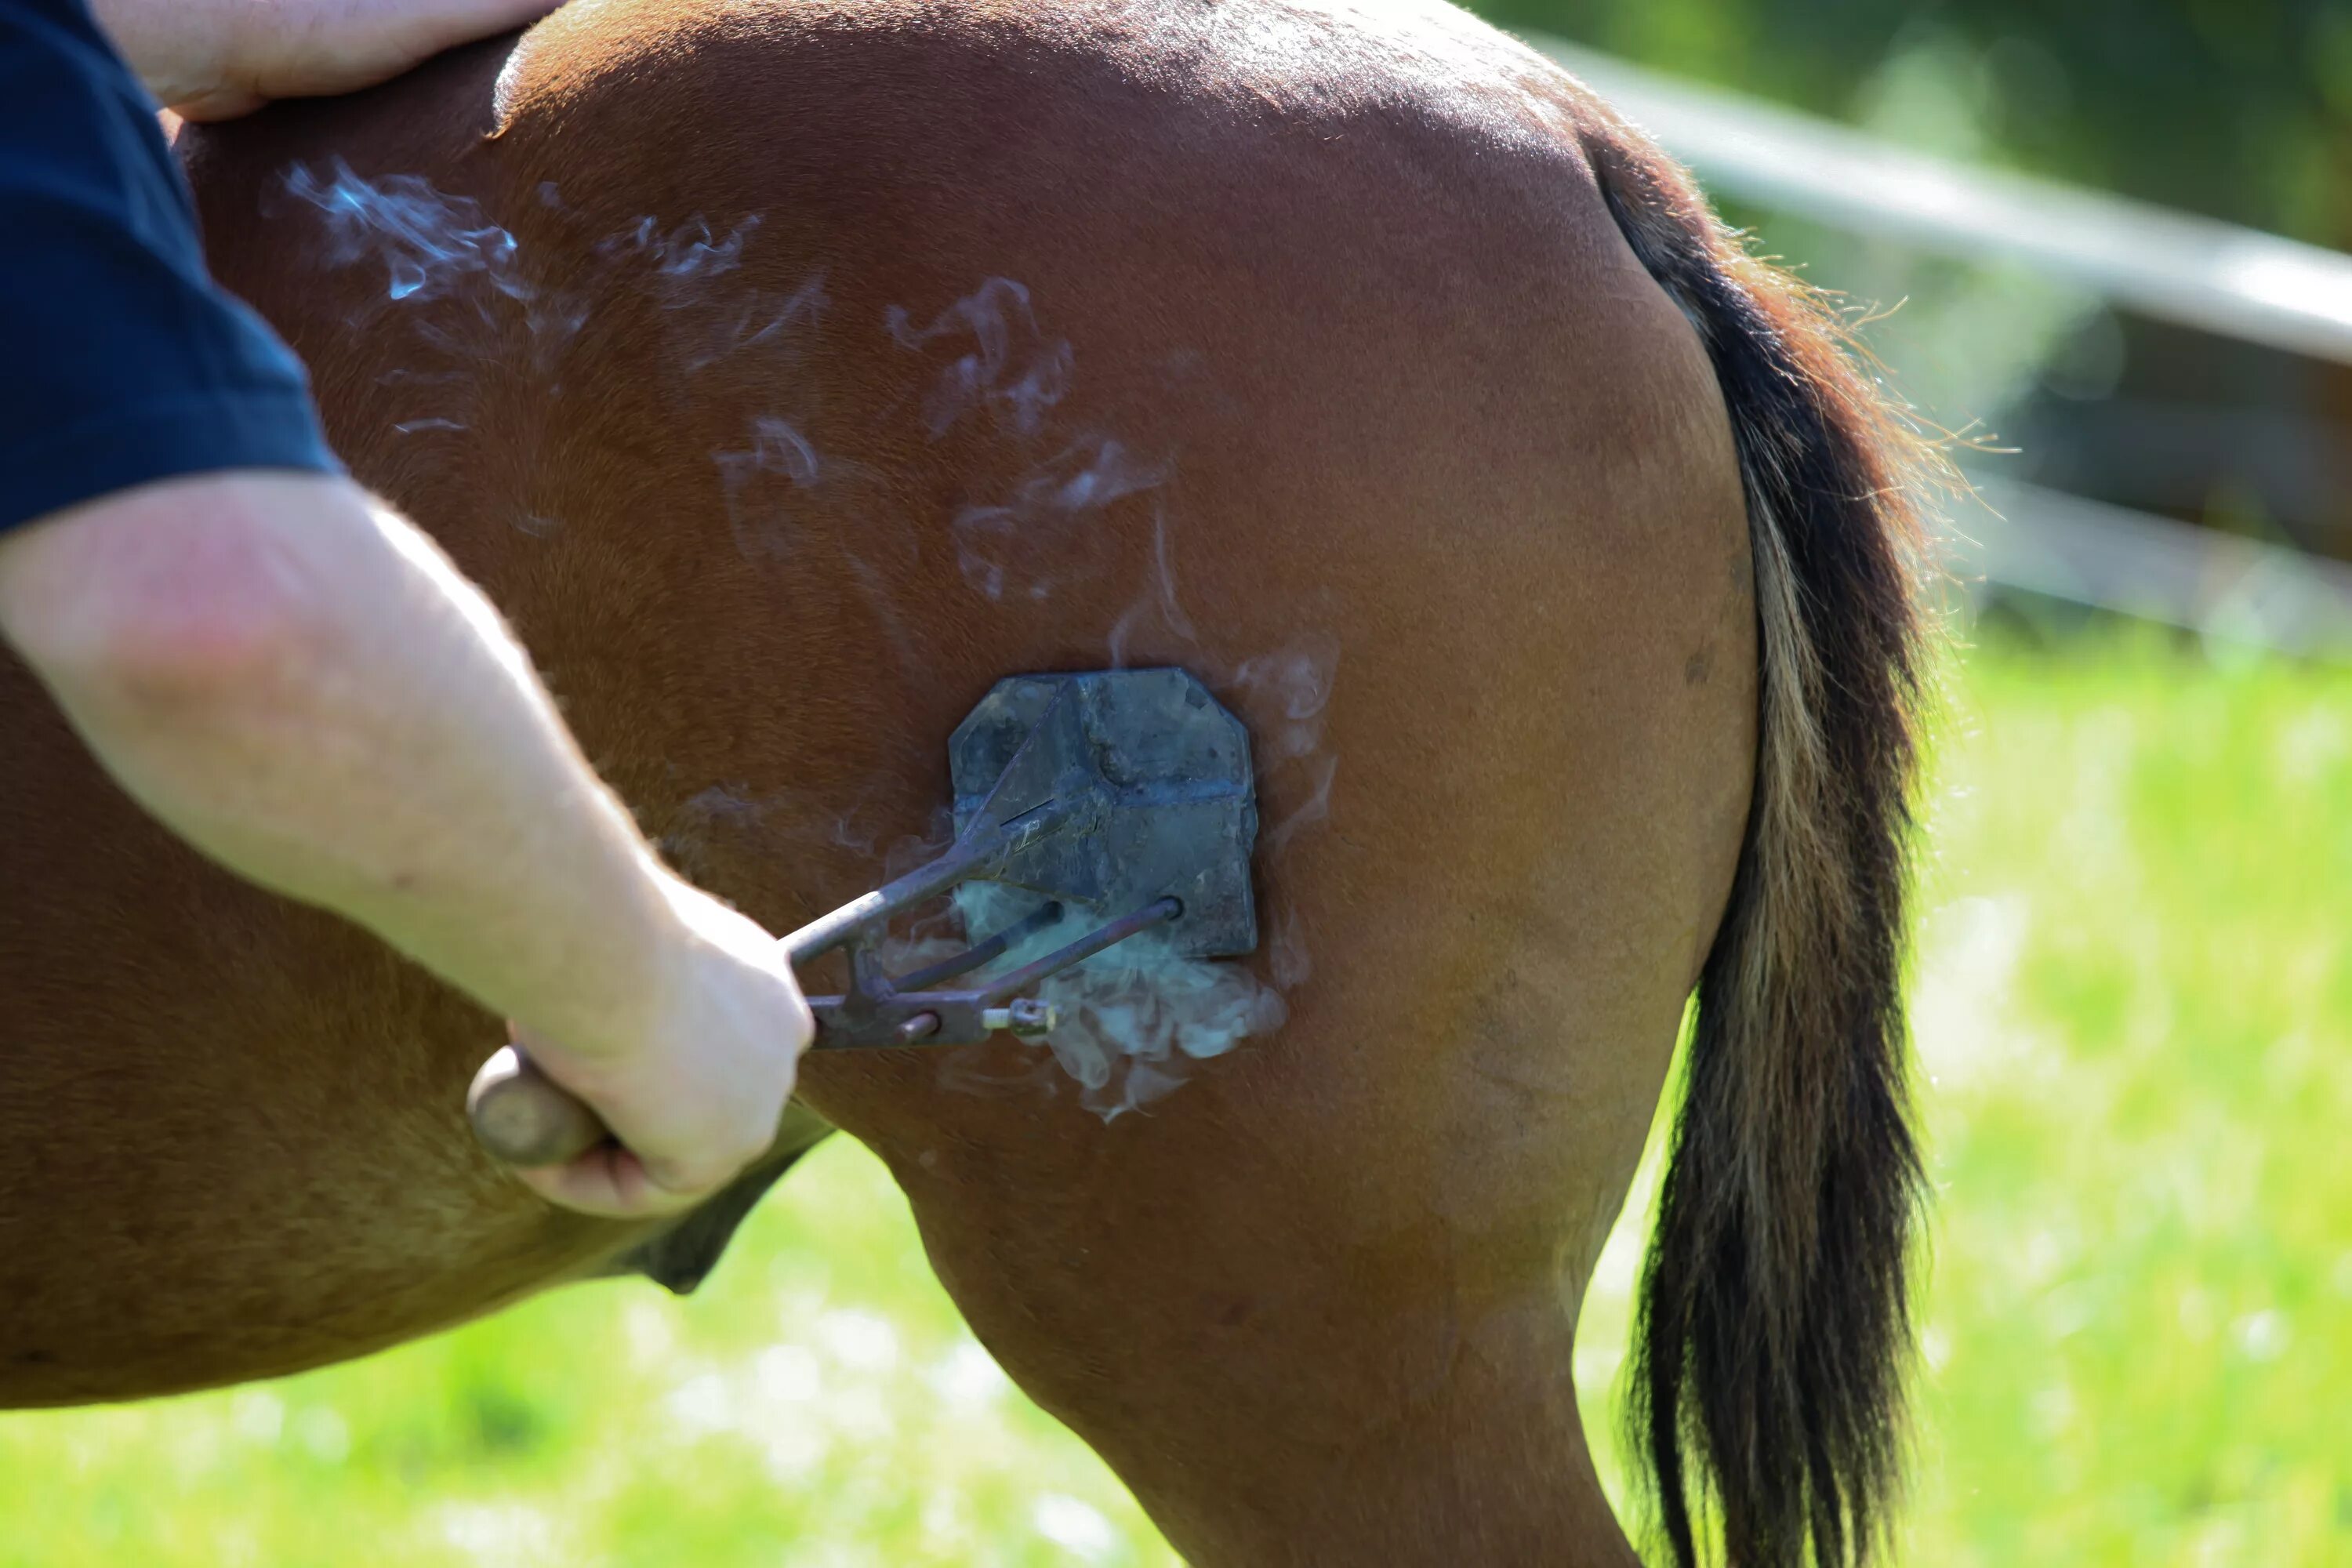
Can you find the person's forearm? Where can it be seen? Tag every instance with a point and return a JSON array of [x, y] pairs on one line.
[[214, 58], [180, 48], [347, 721]]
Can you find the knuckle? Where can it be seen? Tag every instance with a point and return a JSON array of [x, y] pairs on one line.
[[676, 1182]]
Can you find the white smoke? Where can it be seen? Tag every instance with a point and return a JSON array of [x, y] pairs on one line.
[[427, 242], [1131, 1018], [1010, 369], [1017, 545]]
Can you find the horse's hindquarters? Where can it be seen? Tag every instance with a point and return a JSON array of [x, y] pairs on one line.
[[784, 411]]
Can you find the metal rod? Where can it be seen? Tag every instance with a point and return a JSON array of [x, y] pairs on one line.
[[980, 952], [1158, 912], [974, 854], [825, 933]]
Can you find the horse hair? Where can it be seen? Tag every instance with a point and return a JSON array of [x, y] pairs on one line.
[[1774, 1339]]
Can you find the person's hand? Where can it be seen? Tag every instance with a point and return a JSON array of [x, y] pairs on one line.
[[215, 60], [699, 1092]]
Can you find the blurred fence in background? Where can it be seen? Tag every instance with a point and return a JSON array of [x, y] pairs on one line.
[[2190, 271]]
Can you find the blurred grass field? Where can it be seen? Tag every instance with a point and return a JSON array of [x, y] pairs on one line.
[[2134, 1010]]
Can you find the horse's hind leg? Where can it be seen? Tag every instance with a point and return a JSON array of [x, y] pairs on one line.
[[1318, 1304]]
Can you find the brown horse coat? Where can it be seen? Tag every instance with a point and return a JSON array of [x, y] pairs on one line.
[[788, 371]]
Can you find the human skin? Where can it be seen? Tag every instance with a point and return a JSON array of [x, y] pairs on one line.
[[293, 678], [296, 680], [215, 60]]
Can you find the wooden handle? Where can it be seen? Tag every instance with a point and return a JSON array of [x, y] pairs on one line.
[[526, 1118]]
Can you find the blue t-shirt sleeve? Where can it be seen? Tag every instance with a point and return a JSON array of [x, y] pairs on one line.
[[125, 364]]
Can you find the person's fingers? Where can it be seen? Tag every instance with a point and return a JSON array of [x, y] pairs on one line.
[[608, 1181], [429, 28], [320, 48], [229, 103], [700, 1093], [612, 1179]]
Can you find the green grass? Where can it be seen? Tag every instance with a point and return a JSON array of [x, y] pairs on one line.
[[2134, 1015]]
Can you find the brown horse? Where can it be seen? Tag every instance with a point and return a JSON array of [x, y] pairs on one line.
[[790, 370]]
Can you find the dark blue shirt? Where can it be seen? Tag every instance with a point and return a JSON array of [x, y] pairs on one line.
[[120, 362]]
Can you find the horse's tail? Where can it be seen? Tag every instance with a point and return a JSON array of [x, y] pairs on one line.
[[1774, 1337]]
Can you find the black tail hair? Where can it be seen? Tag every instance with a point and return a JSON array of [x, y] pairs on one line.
[[1774, 1335]]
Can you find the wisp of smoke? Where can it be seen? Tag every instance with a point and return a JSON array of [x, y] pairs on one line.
[[1005, 338], [428, 241], [1133, 1016], [1007, 547]]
